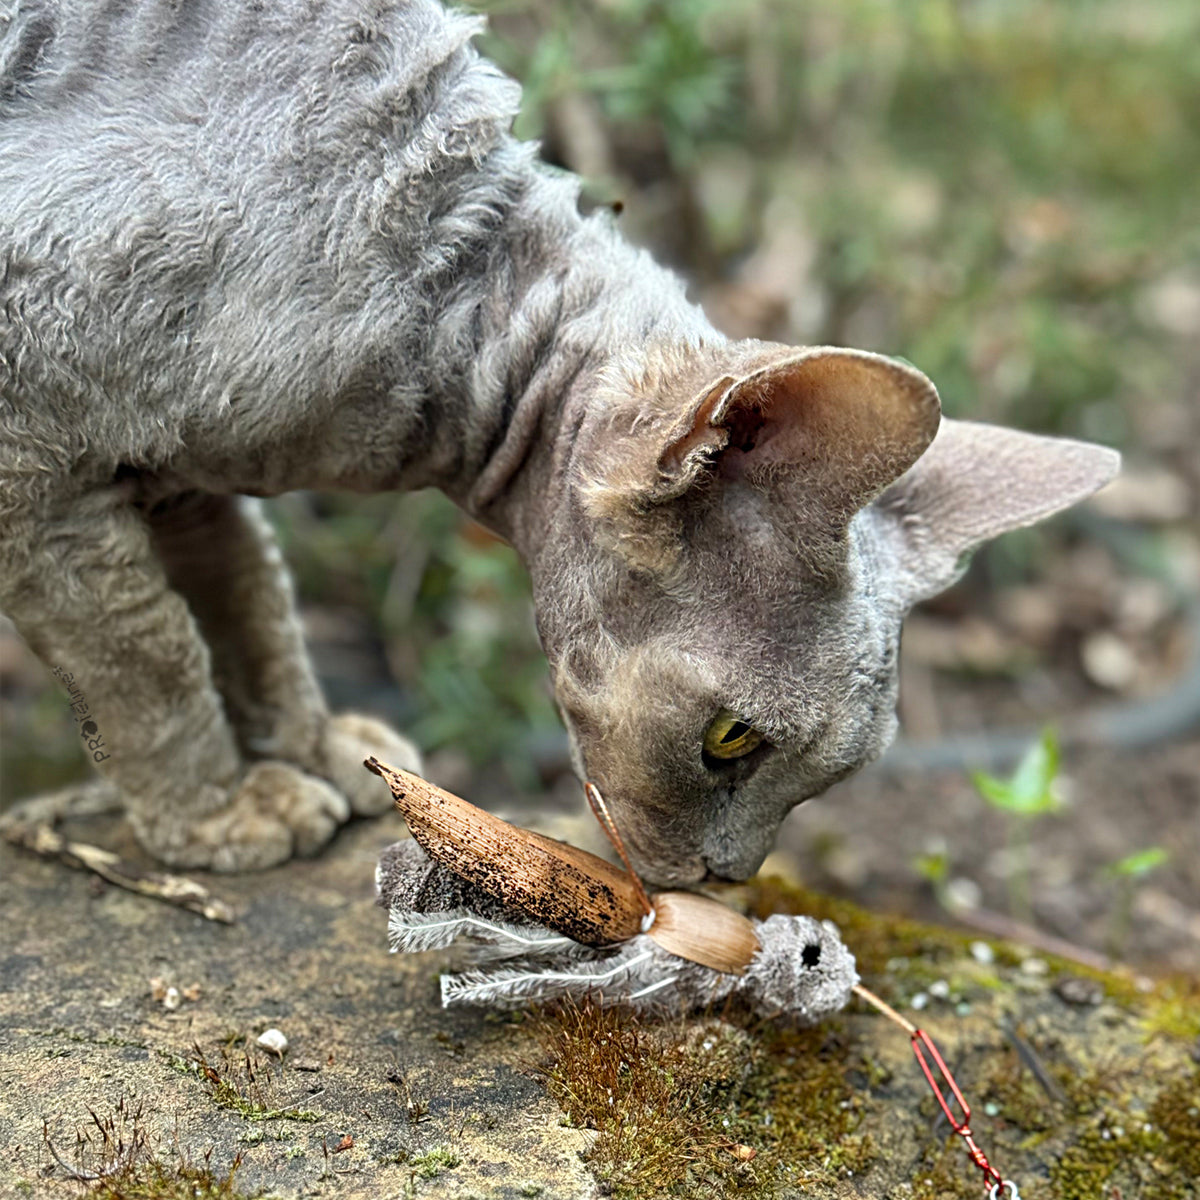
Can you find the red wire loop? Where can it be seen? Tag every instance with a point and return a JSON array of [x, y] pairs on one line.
[[921, 1041]]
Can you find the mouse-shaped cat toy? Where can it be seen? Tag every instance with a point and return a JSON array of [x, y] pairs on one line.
[[563, 922]]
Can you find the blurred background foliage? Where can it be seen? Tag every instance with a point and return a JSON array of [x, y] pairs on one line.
[[1001, 191]]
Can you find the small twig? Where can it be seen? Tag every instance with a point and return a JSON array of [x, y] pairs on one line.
[[1030, 1058], [998, 925], [185, 893]]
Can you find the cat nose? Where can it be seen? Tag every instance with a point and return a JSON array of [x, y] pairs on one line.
[[733, 864], [716, 877]]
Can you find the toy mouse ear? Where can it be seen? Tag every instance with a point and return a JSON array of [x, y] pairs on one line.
[[977, 481], [841, 424]]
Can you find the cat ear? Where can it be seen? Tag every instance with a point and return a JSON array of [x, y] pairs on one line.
[[977, 481], [842, 423]]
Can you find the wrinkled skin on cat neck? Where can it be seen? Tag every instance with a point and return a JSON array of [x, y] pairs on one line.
[[756, 550]]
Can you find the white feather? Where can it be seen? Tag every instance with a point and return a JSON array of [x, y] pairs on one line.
[[412, 932], [587, 976]]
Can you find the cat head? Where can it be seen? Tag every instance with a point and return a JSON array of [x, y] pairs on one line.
[[721, 589]]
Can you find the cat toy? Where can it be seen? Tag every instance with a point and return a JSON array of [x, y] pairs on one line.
[[545, 920]]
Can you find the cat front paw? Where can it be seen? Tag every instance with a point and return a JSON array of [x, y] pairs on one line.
[[275, 813], [346, 741]]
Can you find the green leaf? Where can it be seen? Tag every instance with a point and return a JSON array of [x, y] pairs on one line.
[[1140, 862], [1029, 791], [993, 790]]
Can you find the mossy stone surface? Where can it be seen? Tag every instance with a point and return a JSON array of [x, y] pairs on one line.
[[435, 1103], [392, 1096]]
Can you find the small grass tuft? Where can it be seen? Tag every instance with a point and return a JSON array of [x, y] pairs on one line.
[[242, 1083], [114, 1160]]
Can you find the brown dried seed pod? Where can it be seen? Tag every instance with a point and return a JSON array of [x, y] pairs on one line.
[[560, 886], [557, 885], [703, 930]]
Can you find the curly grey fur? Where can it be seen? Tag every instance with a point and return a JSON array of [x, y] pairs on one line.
[[247, 248]]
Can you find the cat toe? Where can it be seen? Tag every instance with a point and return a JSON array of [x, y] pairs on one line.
[[349, 739], [275, 813]]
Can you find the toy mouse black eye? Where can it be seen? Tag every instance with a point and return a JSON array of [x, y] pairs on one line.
[[811, 954]]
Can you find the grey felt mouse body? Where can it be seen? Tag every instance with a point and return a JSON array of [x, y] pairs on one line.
[[802, 968]]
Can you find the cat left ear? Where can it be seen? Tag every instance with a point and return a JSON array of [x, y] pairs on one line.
[[842, 423], [976, 482]]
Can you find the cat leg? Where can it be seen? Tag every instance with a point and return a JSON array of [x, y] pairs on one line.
[[220, 553], [87, 591]]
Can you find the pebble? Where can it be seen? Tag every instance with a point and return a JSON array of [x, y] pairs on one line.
[[939, 990], [981, 952], [964, 893], [919, 1001], [171, 999], [273, 1041], [1035, 966], [1074, 989]]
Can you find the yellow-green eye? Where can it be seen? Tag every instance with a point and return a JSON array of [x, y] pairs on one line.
[[730, 737]]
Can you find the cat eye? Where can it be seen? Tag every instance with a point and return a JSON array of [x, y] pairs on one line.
[[730, 737]]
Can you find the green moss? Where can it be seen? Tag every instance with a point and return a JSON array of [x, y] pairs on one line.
[[1176, 1111], [1018, 1097], [431, 1163], [155, 1180], [657, 1095], [1082, 1169], [241, 1085], [115, 1160], [801, 1086], [944, 1173], [1174, 1008], [684, 1105], [740, 1107]]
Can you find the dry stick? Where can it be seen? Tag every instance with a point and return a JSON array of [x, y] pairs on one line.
[[998, 925], [71, 1172], [170, 889], [1029, 1056]]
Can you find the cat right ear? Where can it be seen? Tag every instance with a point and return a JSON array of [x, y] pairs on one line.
[[830, 427], [834, 424], [975, 482]]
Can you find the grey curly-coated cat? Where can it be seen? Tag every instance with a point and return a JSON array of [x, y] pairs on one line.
[[247, 248]]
